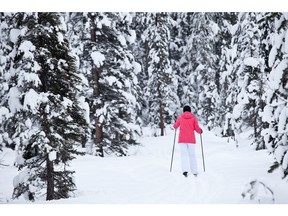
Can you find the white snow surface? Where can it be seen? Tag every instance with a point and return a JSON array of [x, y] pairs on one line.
[[52, 156], [253, 62], [132, 37], [137, 67], [32, 100], [98, 58], [26, 47], [13, 99], [122, 40], [144, 176], [14, 34]]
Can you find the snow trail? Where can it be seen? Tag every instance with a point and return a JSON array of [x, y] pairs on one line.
[[145, 177]]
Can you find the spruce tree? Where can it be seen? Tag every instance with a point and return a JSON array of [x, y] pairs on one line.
[[188, 77], [230, 79], [7, 42], [222, 47], [266, 29], [47, 121], [111, 71], [140, 49], [2, 80], [180, 31], [250, 77], [200, 66], [76, 36], [161, 90], [275, 112]]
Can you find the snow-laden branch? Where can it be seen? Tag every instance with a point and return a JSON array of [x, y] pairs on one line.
[[284, 100], [1, 164]]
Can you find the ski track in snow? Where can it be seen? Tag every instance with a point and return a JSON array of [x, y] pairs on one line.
[[145, 177]]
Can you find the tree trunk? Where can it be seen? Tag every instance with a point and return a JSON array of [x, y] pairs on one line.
[[160, 110], [98, 139], [50, 179], [161, 119]]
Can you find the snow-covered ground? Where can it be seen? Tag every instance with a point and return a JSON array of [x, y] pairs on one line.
[[144, 177]]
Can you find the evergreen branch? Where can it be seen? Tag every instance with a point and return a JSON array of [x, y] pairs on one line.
[[271, 16], [282, 132], [279, 95], [273, 167], [1, 164]]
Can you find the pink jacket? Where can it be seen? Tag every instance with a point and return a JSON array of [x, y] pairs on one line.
[[188, 123]]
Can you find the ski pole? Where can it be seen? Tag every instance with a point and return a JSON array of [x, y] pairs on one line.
[[173, 151], [202, 152]]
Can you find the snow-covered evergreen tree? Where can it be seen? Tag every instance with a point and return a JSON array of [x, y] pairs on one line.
[[161, 88], [180, 31], [7, 40], [266, 29], [188, 66], [201, 66], [2, 80], [76, 36], [223, 50], [46, 120], [233, 77], [140, 49], [111, 73], [228, 93], [276, 110], [249, 68]]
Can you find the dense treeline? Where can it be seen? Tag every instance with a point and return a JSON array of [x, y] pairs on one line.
[[95, 79]]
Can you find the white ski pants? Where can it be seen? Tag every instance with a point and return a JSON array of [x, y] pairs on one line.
[[188, 158]]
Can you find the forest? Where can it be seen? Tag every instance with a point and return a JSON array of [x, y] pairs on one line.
[[95, 79]]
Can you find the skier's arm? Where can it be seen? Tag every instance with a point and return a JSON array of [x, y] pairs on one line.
[[177, 123], [196, 126]]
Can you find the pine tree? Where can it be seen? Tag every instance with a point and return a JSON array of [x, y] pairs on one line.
[[250, 77], [180, 31], [161, 90], [6, 59], [233, 77], [140, 49], [2, 82], [266, 29], [276, 112], [47, 121], [223, 65], [189, 65], [201, 68], [76, 36], [111, 71]]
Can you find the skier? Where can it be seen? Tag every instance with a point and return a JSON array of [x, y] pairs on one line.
[[188, 124]]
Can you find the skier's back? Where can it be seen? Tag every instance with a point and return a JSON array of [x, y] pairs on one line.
[[188, 125]]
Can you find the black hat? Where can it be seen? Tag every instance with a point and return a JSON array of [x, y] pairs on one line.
[[186, 108]]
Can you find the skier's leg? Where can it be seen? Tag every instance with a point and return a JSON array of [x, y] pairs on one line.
[[184, 157], [192, 159]]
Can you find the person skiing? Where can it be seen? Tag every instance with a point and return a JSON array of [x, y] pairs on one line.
[[188, 124]]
